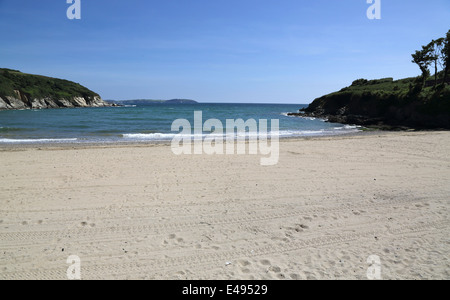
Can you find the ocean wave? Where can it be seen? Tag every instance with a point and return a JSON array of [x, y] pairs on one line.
[[148, 136], [286, 114], [236, 135], [347, 127], [19, 141]]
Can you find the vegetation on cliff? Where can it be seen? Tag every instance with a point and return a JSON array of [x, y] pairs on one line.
[[36, 86]]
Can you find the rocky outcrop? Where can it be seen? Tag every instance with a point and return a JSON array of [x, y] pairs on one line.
[[21, 101], [80, 101], [384, 104], [3, 104], [38, 104], [373, 113], [14, 103]]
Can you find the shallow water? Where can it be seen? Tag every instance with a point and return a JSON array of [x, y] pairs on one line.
[[150, 122]]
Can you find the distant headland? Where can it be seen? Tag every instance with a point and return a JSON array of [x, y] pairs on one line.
[[150, 101], [27, 91]]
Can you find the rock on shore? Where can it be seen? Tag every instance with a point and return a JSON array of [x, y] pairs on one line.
[[10, 102]]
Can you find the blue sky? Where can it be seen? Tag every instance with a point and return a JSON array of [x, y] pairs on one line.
[[256, 51]]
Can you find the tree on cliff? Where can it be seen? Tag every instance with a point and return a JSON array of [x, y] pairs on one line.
[[436, 53], [445, 56], [436, 47], [423, 59]]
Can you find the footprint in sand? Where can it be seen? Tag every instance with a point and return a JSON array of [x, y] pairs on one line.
[[275, 269], [295, 277], [297, 228], [244, 263], [301, 227], [265, 262], [173, 239], [84, 224]]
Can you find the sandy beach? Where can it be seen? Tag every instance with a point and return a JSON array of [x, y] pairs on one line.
[[328, 207]]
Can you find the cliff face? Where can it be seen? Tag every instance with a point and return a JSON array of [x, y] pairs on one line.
[[26, 91], [385, 104], [24, 102]]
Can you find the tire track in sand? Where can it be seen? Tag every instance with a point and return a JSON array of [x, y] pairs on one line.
[[147, 264]]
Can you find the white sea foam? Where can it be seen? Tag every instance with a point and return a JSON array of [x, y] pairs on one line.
[[347, 127], [251, 135], [166, 136], [148, 136]]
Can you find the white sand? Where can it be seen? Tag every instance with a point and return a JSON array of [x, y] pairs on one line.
[[140, 212]]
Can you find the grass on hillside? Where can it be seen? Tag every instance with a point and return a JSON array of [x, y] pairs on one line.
[[403, 89], [37, 86]]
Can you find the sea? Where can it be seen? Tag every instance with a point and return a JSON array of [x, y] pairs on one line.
[[150, 123]]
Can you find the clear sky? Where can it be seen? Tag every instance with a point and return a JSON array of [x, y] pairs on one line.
[[266, 51]]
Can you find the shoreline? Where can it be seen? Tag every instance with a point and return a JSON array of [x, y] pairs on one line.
[[62, 145]]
